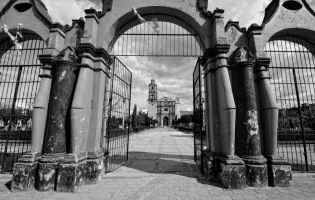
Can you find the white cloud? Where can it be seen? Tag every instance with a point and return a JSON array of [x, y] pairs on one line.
[[173, 75]]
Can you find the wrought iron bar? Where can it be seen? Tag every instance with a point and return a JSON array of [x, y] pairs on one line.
[[172, 41], [301, 118], [292, 70], [19, 81]]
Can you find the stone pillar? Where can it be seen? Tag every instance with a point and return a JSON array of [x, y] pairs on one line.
[[232, 168], [24, 170], [279, 170], [248, 144], [87, 106], [57, 135], [225, 166]]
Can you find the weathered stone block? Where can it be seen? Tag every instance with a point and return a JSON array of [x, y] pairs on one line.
[[24, 176], [66, 178], [81, 174], [70, 177], [279, 175], [46, 176], [94, 170], [256, 175], [209, 166], [232, 176]]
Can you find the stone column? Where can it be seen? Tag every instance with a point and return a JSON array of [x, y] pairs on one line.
[[226, 166], [279, 170], [232, 168], [57, 135], [24, 171], [248, 144], [211, 120], [87, 106]]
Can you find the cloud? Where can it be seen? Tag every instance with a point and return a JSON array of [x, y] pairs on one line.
[[173, 75]]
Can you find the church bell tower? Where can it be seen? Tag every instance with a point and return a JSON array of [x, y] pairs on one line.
[[152, 100]]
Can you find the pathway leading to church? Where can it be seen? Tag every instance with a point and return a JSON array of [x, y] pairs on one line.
[[161, 167]]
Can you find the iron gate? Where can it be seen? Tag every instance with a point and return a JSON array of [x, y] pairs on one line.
[[199, 132], [118, 121], [293, 78], [19, 81]]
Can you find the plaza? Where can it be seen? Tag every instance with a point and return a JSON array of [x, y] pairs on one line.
[[161, 166]]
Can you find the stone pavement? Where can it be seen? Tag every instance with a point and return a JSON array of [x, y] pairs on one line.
[[161, 167]]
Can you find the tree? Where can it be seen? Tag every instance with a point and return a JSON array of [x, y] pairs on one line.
[[134, 116]]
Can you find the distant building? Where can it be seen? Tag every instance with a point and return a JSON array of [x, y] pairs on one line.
[[289, 117], [164, 110]]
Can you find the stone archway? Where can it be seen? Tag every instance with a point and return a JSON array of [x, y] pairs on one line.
[[83, 51], [120, 17]]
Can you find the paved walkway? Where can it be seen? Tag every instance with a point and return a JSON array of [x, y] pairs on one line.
[[161, 167]]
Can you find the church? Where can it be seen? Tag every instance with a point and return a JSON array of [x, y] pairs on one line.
[[164, 110]]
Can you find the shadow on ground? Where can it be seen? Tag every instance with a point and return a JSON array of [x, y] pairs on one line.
[[156, 163]]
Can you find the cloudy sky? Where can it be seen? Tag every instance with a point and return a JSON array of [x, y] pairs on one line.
[[173, 75]]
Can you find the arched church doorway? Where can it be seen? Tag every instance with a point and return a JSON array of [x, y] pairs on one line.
[[162, 48], [165, 121]]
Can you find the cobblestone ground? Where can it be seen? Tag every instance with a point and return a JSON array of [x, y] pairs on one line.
[[161, 167]]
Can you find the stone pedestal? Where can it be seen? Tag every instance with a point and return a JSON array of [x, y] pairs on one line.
[[228, 171], [24, 173], [231, 172], [71, 174], [94, 167], [208, 165], [47, 171], [279, 172], [256, 171]]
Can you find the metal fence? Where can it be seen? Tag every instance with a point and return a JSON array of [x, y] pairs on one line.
[[293, 78], [199, 132], [19, 81], [118, 121], [157, 39]]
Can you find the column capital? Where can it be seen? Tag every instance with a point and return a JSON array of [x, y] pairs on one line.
[[261, 69], [263, 62], [66, 55], [243, 57], [88, 48], [47, 59], [213, 52]]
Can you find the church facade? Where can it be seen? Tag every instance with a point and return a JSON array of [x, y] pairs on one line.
[[165, 110]]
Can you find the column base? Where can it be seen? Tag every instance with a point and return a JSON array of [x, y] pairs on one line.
[[279, 172], [256, 171], [209, 166], [47, 171], [94, 167], [232, 172], [71, 173], [24, 173]]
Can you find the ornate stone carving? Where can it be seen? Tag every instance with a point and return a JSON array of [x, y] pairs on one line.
[[242, 54]]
